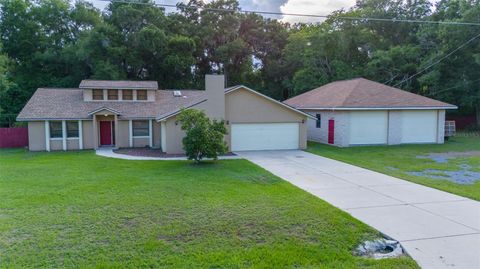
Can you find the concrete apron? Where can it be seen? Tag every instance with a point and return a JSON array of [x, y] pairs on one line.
[[437, 229]]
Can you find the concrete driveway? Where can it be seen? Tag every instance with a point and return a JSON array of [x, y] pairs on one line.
[[438, 229]]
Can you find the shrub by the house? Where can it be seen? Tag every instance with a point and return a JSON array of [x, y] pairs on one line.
[[204, 137]]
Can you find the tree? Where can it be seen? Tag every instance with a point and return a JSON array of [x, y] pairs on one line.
[[204, 137]]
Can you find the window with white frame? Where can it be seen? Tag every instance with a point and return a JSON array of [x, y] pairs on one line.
[[140, 128], [72, 129], [319, 121], [56, 129]]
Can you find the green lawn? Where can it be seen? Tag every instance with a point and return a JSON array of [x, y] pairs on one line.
[[398, 160], [78, 210]]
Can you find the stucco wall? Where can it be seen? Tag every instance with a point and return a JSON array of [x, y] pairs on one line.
[[174, 136], [243, 106], [122, 140], [36, 135], [156, 134], [87, 134], [56, 144], [72, 144], [140, 142]]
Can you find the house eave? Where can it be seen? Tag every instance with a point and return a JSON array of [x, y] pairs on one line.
[[379, 108]]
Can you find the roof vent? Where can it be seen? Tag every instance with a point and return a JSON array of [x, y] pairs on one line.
[[177, 93]]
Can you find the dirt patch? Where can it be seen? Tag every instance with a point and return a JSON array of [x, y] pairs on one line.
[[464, 175]]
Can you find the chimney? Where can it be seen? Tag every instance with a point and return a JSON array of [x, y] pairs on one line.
[[215, 92]]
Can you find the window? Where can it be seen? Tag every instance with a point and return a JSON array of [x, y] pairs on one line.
[[112, 95], [72, 129], [127, 95], [319, 121], [141, 95], [97, 94], [140, 128], [56, 129]]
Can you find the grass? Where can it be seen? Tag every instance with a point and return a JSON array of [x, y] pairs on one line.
[[78, 210], [398, 160]]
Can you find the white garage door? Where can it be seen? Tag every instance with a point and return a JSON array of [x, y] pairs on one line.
[[265, 136], [419, 126], [368, 127]]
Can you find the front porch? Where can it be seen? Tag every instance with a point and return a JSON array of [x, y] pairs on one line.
[[111, 131]]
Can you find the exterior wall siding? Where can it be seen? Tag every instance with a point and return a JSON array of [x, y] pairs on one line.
[[122, 139], [36, 136], [394, 127], [140, 142], [243, 106], [174, 135], [342, 130], [56, 144], [87, 134], [321, 134], [441, 127], [156, 134], [72, 144]]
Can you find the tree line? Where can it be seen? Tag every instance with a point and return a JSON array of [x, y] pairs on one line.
[[56, 43]]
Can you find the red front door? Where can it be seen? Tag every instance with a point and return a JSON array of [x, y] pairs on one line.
[[331, 131], [105, 133]]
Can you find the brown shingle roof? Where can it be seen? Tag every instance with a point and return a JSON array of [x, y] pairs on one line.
[[54, 103], [118, 84], [361, 93]]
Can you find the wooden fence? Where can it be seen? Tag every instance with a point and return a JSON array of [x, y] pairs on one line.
[[13, 137]]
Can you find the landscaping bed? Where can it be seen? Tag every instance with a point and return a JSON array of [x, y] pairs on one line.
[[76, 209]]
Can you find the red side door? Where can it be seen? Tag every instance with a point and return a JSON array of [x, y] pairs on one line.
[[105, 133], [331, 131]]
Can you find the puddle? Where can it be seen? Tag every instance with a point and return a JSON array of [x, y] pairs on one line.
[[464, 175]]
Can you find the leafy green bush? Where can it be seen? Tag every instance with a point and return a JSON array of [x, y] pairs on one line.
[[204, 137]]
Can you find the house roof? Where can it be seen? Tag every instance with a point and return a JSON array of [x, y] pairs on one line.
[[118, 84], [61, 103], [362, 93], [68, 103]]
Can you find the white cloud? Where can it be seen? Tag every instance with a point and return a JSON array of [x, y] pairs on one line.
[[316, 7]]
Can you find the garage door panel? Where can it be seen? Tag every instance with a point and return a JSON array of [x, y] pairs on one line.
[[419, 126], [265, 136], [368, 127]]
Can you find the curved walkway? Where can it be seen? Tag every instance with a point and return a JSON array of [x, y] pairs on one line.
[[438, 229], [108, 152]]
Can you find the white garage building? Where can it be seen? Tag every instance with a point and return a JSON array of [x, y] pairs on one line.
[[363, 112]]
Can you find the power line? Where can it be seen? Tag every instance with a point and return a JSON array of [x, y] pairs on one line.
[[300, 14], [454, 87], [439, 60]]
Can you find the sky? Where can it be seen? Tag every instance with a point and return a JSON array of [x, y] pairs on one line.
[[320, 7]]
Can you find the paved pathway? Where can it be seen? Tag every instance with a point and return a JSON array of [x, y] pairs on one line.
[[438, 229], [108, 152]]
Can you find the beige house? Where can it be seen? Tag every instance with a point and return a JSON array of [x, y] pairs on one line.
[[125, 114], [363, 112]]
